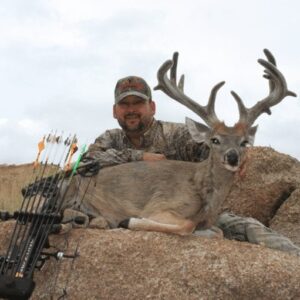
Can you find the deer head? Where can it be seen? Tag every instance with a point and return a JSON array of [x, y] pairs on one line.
[[227, 143]]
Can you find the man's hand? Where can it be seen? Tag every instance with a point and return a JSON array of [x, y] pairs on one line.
[[148, 156]]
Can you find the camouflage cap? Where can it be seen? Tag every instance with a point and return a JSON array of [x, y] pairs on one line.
[[132, 85]]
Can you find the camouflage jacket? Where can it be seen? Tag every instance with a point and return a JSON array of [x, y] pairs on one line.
[[171, 139]]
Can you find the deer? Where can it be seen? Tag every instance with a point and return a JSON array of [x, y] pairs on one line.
[[176, 196]]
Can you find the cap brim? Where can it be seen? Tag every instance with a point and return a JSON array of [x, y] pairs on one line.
[[131, 93]]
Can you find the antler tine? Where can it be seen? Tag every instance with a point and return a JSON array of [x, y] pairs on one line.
[[173, 72], [278, 91], [175, 91], [243, 111], [210, 107], [270, 56], [272, 60]]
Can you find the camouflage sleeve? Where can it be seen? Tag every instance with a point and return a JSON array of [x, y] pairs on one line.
[[252, 231], [183, 146], [193, 151], [109, 150]]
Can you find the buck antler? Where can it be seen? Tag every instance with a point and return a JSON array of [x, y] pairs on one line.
[[278, 91], [175, 91]]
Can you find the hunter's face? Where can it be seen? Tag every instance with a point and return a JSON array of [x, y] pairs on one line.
[[134, 114]]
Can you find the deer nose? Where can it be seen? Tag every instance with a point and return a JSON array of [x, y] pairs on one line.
[[232, 157]]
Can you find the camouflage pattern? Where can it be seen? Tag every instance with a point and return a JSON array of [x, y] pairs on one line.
[[132, 85], [252, 231], [171, 139]]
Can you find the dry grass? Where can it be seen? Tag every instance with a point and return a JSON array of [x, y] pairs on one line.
[[12, 179]]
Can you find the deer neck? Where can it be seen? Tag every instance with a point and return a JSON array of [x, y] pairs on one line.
[[221, 177], [214, 182]]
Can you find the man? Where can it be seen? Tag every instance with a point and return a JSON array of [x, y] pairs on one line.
[[144, 138]]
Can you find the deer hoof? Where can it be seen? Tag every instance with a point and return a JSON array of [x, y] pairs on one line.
[[124, 223]]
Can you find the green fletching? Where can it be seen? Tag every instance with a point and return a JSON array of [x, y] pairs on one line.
[[78, 160]]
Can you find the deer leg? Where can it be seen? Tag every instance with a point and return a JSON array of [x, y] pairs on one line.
[[163, 222]]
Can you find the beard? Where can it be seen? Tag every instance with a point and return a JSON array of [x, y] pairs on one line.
[[140, 127]]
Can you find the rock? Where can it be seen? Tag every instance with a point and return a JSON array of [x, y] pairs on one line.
[[268, 181], [287, 218], [123, 264]]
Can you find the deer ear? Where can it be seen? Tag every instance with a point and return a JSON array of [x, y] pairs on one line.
[[252, 132], [198, 131]]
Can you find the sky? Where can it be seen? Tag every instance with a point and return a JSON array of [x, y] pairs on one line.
[[60, 61]]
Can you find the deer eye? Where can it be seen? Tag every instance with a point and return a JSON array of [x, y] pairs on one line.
[[245, 144], [215, 141]]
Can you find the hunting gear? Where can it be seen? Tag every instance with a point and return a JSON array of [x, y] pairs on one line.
[[40, 215]]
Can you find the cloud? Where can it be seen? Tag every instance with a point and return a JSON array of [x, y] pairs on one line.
[[60, 60], [31, 127], [3, 122]]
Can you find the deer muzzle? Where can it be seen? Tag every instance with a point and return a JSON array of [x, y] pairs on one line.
[[231, 159]]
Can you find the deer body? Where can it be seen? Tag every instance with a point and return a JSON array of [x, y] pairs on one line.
[[176, 196], [149, 189], [160, 194]]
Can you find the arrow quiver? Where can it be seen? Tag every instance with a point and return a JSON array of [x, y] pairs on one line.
[[39, 215]]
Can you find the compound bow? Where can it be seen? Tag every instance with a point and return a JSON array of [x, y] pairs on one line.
[[39, 215]]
